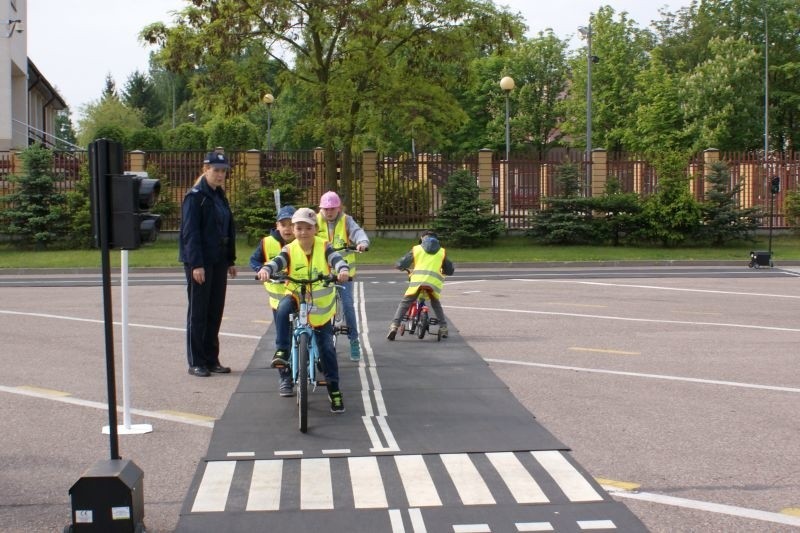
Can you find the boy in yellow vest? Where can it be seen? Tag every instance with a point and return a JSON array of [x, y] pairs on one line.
[[429, 265], [270, 246], [306, 257], [341, 229]]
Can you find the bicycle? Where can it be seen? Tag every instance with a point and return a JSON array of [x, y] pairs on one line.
[[339, 322], [304, 361], [417, 319]]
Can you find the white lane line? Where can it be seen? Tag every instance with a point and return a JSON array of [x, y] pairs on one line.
[[755, 514], [657, 288], [569, 480], [396, 520], [367, 484], [316, 490], [417, 522], [188, 419], [417, 482], [212, 495], [534, 526], [471, 528], [468, 482], [650, 376], [518, 480], [95, 321], [265, 486], [623, 318]]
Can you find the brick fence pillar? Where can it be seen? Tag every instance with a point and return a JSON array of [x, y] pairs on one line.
[[369, 183], [485, 173], [599, 171], [138, 161]]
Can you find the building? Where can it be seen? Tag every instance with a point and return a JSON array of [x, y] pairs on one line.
[[28, 102]]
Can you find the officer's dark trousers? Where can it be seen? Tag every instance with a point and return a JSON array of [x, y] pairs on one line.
[[204, 317]]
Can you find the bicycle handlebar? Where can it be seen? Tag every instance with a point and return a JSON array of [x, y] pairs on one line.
[[350, 248]]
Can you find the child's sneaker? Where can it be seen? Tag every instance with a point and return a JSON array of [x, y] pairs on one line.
[[337, 403], [355, 350], [443, 331], [280, 360], [392, 332], [286, 388]]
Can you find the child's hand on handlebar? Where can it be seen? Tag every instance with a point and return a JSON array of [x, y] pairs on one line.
[[343, 276], [263, 275]]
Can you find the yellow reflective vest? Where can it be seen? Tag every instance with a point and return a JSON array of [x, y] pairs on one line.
[[323, 299], [427, 270], [272, 247], [338, 239]]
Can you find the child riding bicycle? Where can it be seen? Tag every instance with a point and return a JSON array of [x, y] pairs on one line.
[[428, 265], [306, 257]]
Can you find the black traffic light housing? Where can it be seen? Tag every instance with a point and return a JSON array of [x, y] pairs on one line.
[[775, 185], [120, 202], [132, 197]]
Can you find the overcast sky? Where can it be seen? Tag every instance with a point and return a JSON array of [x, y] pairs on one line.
[[75, 44]]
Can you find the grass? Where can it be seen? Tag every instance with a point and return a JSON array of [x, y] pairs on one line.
[[385, 251]]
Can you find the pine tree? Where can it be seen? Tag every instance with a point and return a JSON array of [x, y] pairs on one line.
[[465, 220], [723, 219]]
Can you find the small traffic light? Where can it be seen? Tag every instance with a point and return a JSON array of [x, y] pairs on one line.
[[132, 224], [775, 185]]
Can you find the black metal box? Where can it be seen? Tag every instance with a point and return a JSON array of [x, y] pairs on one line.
[[761, 258], [108, 498]]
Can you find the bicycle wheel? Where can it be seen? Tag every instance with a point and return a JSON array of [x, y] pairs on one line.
[[422, 327], [302, 382]]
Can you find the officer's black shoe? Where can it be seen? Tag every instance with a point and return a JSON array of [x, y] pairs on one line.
[[199, 371], [219, 369]]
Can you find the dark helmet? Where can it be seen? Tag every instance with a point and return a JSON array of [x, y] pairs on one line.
[[427, 233]]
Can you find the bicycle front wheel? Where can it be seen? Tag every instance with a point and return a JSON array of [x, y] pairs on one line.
[[302, 382]]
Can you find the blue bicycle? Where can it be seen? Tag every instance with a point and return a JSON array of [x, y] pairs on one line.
[[304, 361]]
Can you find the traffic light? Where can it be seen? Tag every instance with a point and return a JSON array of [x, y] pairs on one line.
[[132, 197], [775, 185]]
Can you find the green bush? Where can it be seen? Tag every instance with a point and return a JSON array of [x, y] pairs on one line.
[[723, 219], [79, 211], [111, 132], [254, 204], [36, 212], [145, 139], [187, 136], [235, 133], [791, 207], [465, 220], [401, 203]]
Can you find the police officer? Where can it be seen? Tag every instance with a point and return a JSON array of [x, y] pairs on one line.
[[207, 245]]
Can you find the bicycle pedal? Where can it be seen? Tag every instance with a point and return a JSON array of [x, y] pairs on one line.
[[321, 383]]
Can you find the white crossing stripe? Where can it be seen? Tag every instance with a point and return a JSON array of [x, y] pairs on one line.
[[534, 526], [586, 525], [212, 494], [265, 486], [396, 519], [518, 480], [470, 485], [417, 482], [574, 485], [316, 491], [365, 477], [369, 489], [471, 528]]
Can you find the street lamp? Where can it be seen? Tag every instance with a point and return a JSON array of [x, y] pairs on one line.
[[268, 99], [586, 33], [507, 84]]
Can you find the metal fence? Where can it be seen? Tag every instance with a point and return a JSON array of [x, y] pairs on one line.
[[409, 189]]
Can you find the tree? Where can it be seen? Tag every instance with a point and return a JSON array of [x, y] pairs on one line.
[[140, 93], [539, 69], [36, 215], [672, 215], [465, 220], [723, 219], [107, 113], [622, 50], [343, 54], [723, 101], [110, 89]]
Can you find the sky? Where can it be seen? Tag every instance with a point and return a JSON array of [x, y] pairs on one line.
[[76, 44]]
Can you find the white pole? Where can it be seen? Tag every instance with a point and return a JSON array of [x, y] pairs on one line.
[[126, 427]]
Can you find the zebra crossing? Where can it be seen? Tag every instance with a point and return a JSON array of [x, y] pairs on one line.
[[398, 481]]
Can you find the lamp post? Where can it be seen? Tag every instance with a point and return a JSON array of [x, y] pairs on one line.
[[268, 99], [507, 85], [586, 33]]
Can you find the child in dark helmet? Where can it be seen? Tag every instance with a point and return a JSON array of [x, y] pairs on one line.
[[428, 264]]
